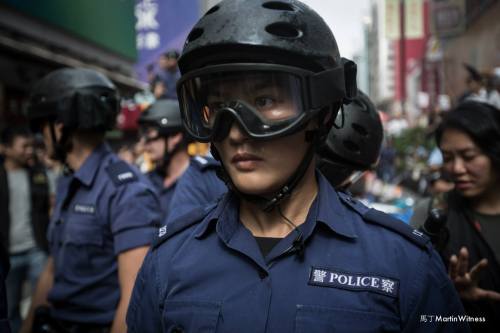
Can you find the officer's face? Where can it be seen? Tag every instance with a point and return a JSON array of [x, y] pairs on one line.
[[471, 170], [261, 167], [154, 144]]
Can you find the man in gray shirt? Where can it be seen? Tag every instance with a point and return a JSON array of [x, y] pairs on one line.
[[24, 208]]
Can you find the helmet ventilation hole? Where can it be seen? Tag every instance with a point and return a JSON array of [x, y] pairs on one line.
[[284, 30], [194, 34], [277, 5], [212, 10], [353, 147], [360, 129]]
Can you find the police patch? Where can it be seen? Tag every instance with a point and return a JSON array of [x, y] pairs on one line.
[[84, 209], [325, 277], [121, 173]]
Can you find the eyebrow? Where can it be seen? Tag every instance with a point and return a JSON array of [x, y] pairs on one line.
[[461, 151]]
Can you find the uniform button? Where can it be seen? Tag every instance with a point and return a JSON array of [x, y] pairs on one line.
[[177, 329], [262, 275]]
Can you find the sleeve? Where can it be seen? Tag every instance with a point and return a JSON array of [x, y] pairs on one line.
[[434, 304], [144, 311], [135, 216]]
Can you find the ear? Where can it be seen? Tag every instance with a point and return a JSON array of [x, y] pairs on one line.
[[175, 139]]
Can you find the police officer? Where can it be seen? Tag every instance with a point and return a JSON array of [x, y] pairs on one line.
[[352, 146], [199, 186], [105, 212], [282, 251], [166, 143]]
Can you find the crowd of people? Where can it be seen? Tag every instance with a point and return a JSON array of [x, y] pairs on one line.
[[264, 232]]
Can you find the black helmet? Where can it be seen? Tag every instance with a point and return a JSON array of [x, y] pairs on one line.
[[355, 146], [79, 98], [270, 66], [163, 114], [283, 41]]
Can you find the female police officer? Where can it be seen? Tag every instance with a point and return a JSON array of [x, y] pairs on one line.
[[105, 211], [282, 251]]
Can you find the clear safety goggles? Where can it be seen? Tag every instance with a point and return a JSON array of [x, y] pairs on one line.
[[266, 100]]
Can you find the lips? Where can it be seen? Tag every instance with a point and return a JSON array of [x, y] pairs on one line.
[[463, 185], [245, 161]]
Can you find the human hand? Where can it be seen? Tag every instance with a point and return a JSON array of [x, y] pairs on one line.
[[466, 282]]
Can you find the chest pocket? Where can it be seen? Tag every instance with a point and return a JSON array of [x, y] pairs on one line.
[[316, 319], [190, 316], [84, 233]]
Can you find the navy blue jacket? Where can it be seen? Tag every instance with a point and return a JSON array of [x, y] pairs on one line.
[[359, 271]]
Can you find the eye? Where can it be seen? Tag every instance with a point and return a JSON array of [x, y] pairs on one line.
[[264, 102], [469, 157]]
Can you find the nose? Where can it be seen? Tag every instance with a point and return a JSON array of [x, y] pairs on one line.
[[458, 166], [236, 134]]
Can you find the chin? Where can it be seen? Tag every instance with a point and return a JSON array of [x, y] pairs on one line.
[[254, 184]]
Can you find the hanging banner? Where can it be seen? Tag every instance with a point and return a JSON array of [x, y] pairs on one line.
[[392, 23]]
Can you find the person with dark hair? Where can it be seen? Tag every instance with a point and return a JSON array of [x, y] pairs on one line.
[[105, 214], [469, 138], [24, 209], [282, 251], [353, 147]]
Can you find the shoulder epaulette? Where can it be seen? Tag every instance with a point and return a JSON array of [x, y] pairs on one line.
[[121, 173], [179, 224], [203, 163], [387, 221]]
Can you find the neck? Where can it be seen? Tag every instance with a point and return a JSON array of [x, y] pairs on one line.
[[178, 164], [489, 202], [11, 165], [295, 208], [78, 154]]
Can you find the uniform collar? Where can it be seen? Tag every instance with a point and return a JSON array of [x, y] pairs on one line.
[[88, 170], [326, 209], [330, 211]]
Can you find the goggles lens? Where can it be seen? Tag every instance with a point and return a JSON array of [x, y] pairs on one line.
[[265, 103]]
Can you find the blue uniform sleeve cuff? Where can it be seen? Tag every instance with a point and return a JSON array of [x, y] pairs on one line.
[[132, 238]]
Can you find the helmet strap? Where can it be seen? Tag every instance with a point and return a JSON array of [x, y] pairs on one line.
[[62, 146]]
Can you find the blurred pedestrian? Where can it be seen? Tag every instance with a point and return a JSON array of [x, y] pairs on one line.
[[24, 207], [4, 270], [469, 138], [167, 76], [105, 211], [475, 84], [282, 251]]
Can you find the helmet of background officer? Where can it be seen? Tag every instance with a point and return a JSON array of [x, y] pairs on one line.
[[72, 103], [354, 147], [161, 129], [265, 69]]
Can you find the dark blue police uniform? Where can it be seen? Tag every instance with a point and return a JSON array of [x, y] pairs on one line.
[[165, 194], [356, 270], [105, 208], [198, 186]]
